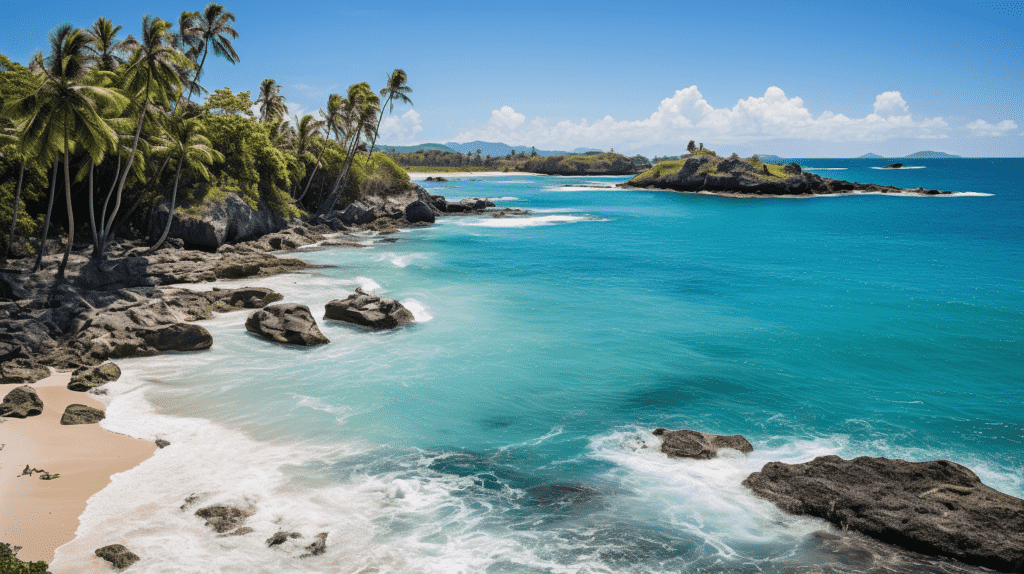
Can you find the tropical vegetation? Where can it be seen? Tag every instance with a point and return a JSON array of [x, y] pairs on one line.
[[102, 130]]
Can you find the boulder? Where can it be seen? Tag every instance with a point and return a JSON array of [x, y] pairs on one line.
[[223, 518], [81, 415], [318, 547], [936, 507], [792, 168], [217, 223], [369, 310], [117, 555], [418, 211], [225, 300], [893, 166], [161, 443], [700, 445], [281, 537], [286, 323], [87, 378], [178, 337], [21, 403], [357, 214]]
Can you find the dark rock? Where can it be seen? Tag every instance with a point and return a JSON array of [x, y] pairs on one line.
[[240, 532], [81, 415], [937, 507], [22, 402], [225, 300], [418, 211], [792, 168], [369, 310], [281, 537], [117, 555], [286, 323], [161, 443], [438, 178], [318, 547], [194, 498], [357, 214], [699, 445], [87, 378], [179, 337], [513, 211], [218, 223], [893, 166], [223, 518]]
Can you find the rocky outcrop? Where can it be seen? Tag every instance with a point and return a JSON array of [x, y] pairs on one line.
[[893, 166], [178, 337], [700, 445], [117, 555], [218, 223], [418, 211], [582, 164], [467, 206], [937, 507], [736, 176], [161, 443], [318, 547], [81, 415], [281, 537], [368, 310], [20, 403], [222, 517], [286, 323], [87, 378]]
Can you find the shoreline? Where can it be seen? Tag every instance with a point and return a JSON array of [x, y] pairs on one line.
[[856, 193], [43, 515], [423, 175]]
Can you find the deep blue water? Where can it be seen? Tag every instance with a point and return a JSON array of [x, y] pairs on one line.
[[509, 429]]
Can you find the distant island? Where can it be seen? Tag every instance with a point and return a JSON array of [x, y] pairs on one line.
[[916, 155]]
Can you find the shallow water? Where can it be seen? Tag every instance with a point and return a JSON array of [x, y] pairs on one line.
[[508, 430]]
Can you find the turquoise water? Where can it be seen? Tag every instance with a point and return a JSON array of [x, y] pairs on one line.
[[508, 430]]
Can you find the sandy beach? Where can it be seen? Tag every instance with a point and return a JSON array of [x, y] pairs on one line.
[[417, 176], [41, 515]]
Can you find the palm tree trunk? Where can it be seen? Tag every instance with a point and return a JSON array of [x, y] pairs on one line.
[[124, 176], [339, 186], [199, 70], [373, 142], [71, 215], [14, 218], [170, 214], [316, 166], [46, 222], [92, 212]]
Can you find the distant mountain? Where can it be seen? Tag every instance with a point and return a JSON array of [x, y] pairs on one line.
[[414, 148], [584, 149], [769, 157], [929, 155], [495, 149], [870, 156]]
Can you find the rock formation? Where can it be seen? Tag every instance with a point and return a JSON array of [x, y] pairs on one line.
[[222, 517], [286, 323], [699, 445], [369, 310], [937, 507], [87, 378], [81, 415], [22, 402], [117, 555]]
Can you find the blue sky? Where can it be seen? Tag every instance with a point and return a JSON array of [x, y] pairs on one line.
[[791, 78]]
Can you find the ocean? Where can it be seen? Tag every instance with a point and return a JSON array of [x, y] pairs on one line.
[[509, 429]]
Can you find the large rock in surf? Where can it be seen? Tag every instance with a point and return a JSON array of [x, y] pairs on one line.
[[21, 403], [86, 378], [418, 211], [179, 337], [118, 555], [222, 517], [700, 445], [937, 507], [286, 323], [369, 310], [81, 415]]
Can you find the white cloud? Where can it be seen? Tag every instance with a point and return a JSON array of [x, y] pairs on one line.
[[983, 128], [400, 130], [687, 115]]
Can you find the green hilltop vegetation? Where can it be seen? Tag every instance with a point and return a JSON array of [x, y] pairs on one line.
[[102, 127], [767, 172], [588, 163]]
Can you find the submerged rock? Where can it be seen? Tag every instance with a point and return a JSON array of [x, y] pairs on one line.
[[937, 507], [318, 547], [286, 323], [21, 403], [161, 443], [87, 378], [281, 537], [699, 445], [222, 517], [369, 310], [893, 166], [117, 555], [81, 415]]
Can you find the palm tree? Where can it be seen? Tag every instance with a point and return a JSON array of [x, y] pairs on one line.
[[331, 120], [396, 90], [213, 27], [271, 102], [187, 141], [359, 111], [104, 49], [154, 73], [67, 110], [306, 133]]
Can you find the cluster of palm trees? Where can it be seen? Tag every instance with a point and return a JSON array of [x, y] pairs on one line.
[[118, 118]]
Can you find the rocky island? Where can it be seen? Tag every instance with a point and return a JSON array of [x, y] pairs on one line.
[[738, 177]]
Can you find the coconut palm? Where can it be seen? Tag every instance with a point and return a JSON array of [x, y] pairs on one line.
[[396, 90], [270, 101], [66, 112], [186, 140], [104, 48], [331, 119], [359, 112], [306, 131], [213, 29], [154, 75]]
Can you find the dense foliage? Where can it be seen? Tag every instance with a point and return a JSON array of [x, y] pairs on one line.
[[9, 563], [103, 130]]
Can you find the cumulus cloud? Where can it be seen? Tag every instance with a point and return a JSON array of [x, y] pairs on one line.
[[400, 130], [687, 115], [983, 128]]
